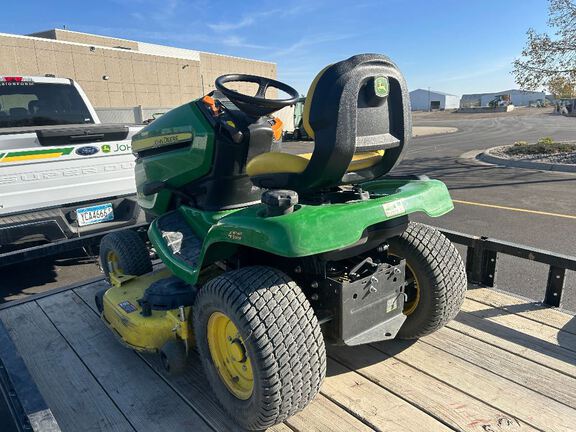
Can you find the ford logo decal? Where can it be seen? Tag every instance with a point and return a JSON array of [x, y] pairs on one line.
[[86, 151]]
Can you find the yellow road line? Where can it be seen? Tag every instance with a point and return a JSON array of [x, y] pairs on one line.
[[560, 215]]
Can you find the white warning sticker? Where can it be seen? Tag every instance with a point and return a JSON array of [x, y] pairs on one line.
[[394, 208]]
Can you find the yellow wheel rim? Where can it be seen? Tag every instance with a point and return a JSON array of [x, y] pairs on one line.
[[414, 285], [230, 356], [413, 288], [113, 263]]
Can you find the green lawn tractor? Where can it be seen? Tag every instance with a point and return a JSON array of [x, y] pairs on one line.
[[267, 255]]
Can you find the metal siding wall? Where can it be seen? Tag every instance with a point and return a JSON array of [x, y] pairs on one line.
[[419, 100], [452, 102]]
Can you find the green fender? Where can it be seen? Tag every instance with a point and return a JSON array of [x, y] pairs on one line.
[[311, 229]]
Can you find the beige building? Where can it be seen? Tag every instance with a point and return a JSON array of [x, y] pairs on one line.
[[120, 73]]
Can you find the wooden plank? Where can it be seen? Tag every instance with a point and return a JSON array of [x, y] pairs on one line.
[[191, 386], [533, 408], [445, 402], [525, 326], [375, 405], [59, 373], [324, 416], [535, 311], [144, 398], [539, 378], [24, 396], [194, 388], [513, 341]]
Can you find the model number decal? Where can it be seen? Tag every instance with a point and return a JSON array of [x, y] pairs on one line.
[[394, 208], [127, 306], [235, 235]]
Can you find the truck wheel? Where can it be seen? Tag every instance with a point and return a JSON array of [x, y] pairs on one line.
[[173, 357], [124, 253], [260, 344], [435, 276]]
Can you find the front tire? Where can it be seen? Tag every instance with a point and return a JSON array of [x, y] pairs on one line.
[[436, 279], [124, 253], [260, 344]]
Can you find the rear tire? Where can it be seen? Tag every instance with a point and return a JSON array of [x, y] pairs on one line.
[[279, 336], [130, 251], [440, 275]]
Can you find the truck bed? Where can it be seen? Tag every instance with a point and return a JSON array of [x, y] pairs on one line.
[[504, 364]]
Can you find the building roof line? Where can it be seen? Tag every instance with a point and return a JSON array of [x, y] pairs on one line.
[[503, 92], [133, 41], [434, 91]]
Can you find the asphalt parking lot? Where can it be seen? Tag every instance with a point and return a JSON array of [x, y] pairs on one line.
[[530, 207], [535, 208]]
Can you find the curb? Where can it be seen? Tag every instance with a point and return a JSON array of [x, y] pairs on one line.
[[428, 131], [487, 157]]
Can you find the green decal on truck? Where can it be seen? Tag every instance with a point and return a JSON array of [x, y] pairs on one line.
[[27, 155]]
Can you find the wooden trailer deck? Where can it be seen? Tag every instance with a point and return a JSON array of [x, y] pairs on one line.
[[505, 364]]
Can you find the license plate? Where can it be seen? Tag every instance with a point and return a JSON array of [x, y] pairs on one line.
[[95, 214]]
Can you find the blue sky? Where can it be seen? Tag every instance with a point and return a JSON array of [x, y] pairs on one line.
[[457, 46]]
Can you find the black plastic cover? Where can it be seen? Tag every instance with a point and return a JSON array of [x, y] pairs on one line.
[[279, 202], [369, 308], [167, 294], [359, 104], [79, 134]]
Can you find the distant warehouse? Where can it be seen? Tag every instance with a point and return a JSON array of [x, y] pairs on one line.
[[429, 100], [517, 98]]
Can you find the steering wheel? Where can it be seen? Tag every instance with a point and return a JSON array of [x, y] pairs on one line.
[[258, 105]]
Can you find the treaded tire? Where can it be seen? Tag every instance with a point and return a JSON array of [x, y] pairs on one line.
[[99, 299], [282, 339], [173, 357], [131, 250], [441, 275]]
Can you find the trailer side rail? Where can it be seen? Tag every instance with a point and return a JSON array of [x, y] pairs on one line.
[[482, 257]]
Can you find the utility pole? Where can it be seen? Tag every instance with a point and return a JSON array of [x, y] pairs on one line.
[[429, 107]]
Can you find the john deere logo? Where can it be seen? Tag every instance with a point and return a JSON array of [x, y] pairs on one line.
[[381, 86], [106, 148]]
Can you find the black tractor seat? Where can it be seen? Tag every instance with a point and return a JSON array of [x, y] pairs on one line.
[[355, 112]]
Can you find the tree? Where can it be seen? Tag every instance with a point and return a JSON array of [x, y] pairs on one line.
[[550, 57], [561, 88]]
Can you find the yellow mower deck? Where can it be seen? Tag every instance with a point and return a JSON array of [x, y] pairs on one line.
[[122, 314]]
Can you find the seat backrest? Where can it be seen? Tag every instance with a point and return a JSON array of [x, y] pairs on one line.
[[356, 105]]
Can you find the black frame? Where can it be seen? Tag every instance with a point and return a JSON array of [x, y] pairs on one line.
[[482, 258], [60, 246]]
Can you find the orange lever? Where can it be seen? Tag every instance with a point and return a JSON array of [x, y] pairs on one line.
[[277, 128], [211, 104]]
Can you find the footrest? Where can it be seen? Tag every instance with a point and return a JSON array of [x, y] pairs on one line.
[[180, 238]]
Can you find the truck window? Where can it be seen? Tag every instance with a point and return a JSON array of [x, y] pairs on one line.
[[41, 104]]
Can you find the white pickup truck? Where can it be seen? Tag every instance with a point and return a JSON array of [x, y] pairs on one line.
[[63, 174]]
